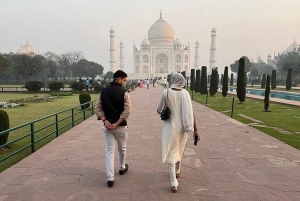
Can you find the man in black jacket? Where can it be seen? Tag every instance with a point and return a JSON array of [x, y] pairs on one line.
[[113, 108]]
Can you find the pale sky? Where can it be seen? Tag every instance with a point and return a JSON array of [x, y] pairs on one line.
[[244, 27]]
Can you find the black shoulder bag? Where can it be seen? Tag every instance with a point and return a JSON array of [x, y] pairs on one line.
[[165, 114]]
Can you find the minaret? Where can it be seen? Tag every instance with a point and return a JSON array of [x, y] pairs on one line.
[[197, 66], [121, 56], [213, 49], [112, 50]]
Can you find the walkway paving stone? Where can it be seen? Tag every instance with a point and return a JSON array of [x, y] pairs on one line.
[[233, 161]]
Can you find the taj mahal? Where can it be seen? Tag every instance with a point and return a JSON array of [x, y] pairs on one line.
[[159, 54]]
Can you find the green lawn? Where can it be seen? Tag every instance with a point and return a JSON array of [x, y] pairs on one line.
[[32, 111], [281, 116]]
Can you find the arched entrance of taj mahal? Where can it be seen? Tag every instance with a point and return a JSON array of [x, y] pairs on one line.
[[161, 63]]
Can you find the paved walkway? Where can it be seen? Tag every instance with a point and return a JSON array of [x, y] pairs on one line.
[[232, 162]]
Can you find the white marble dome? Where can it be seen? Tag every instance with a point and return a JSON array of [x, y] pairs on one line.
[[161, 33], [177, 42], [145, 42], [292, 47], [27, 49]]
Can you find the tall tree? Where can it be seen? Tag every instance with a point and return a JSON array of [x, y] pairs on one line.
[[52, 65], [235, 66], [240, 86], [213, 87], [222, 77], [197, 84], [267, 94], [289, 79], [225, 82], [109, 75], [203, 80], [288, 60], [254, 72], [68, 61], [88, 69], [4, 64], [28, 66], [273, 83], [231, 79], [192, 86], [262, 67], [263, 81]]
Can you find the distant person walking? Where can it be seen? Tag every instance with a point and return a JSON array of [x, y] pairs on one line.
[[153, 82], [87, 83], [113, 108], [141, 84], [147, 82], [176, 128]]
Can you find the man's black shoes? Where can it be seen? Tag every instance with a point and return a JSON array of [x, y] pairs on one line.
[[121, 172], [110, 184]]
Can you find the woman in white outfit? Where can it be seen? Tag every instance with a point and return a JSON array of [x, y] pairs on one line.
[[175, 129]]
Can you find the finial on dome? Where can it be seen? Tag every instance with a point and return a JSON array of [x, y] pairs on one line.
[[160, 13]]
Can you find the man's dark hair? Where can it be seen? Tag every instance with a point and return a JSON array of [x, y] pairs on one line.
[[120, 74]]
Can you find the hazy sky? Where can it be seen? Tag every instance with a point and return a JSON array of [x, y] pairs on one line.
[[244, 27]]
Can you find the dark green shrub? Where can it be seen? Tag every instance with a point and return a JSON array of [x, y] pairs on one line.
[[222, 77], [197, 84], [240, 85], [184, 75], [61, 93], [77, 86], [4, 125], [273, 83], [289, 79], [246, 79], [98, 87], [213, 87], [267, 94], [84, 98], [192, 86], [225, 82], [55, 86], [34, 86], [263, 81], [203, 80], [231, 79]]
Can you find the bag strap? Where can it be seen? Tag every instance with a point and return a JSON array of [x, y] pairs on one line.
[[167, 97]]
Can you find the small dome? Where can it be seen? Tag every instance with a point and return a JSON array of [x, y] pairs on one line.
[[27, 49], [145, 42], [214, 30], [177, 42]]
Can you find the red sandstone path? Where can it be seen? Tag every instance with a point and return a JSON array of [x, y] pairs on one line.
[[232, 162]]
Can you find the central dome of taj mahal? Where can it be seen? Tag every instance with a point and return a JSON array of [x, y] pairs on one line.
[[161, 33]]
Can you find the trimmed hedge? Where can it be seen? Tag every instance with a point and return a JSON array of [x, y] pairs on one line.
[[289, 79], [203, 80], [225, 82], [192, 84], [77, 86], [98, 87], [34, 86], [240, 86], [84, 98], [267, 94], [4, 125], [55, 86]]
